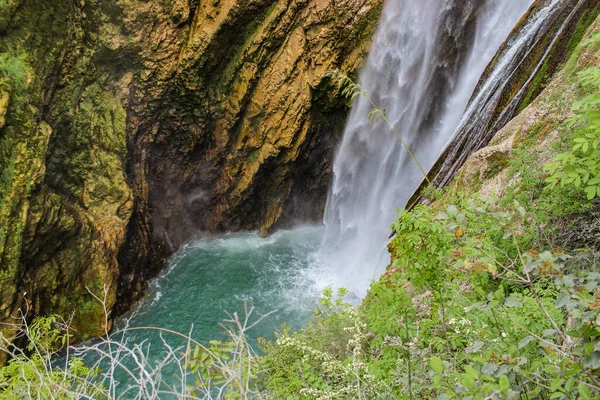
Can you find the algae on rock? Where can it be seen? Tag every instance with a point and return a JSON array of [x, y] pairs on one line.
[[64, 200]]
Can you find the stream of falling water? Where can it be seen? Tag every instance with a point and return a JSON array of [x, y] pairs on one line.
[[426, 60]]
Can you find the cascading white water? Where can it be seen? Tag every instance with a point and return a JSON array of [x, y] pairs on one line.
[[425, 62]]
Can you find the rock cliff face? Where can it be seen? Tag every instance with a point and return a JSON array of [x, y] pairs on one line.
[[64, 199], [127, 127]]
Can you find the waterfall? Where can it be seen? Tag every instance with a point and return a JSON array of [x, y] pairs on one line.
[[426, 59]]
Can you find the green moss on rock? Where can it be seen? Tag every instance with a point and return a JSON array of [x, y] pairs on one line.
[[64, 199]]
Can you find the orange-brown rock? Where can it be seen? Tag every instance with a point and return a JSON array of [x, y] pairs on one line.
[[232, 126]]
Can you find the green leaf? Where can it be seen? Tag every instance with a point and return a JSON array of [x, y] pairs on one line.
[[512, 301], [584, 392], [468, 382], [442, 216], [452, 210], [489, 369], [569, 385], [499, 293], [504, 384], [436, 364], [472, 372], [594, 181], [555, 384], [525, 341], [562, 300]]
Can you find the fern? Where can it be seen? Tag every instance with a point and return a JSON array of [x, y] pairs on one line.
[[351, 90]]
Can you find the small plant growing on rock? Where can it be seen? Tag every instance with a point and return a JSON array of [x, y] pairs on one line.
[[351, 90]]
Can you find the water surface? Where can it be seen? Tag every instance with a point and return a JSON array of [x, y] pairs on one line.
[[210, 277]]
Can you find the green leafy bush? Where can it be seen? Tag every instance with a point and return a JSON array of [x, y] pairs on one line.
[[112, 367], [13, 72], [31, 374], [326, 359], [580, 167], [463, 312]]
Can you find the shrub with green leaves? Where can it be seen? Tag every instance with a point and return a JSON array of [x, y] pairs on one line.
[[13, 72], [326, 359], [580, 167], [31, 374], [464, 312], [113, 367]]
